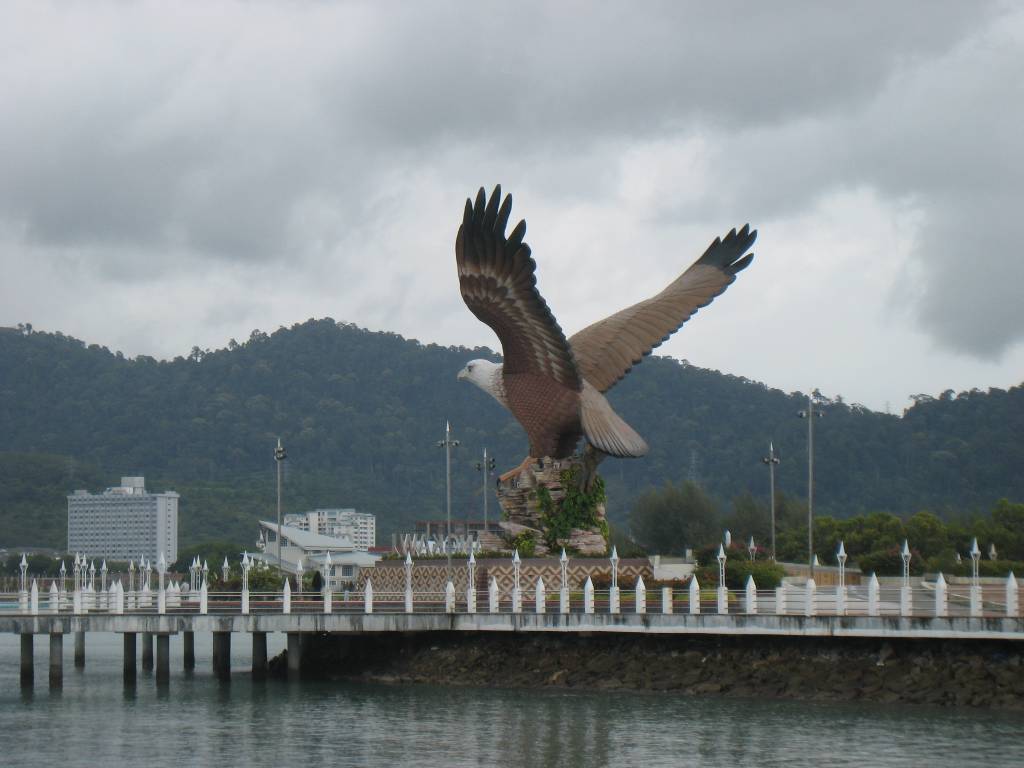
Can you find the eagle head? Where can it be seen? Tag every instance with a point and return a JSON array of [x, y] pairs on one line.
[[487, 376]]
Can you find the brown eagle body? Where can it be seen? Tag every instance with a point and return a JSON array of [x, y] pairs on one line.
[[554, 386]]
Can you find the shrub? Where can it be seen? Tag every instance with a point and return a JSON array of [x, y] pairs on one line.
[[888, 562], [767, 574]]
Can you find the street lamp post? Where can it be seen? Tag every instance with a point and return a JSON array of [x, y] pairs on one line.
[[772, 459], [23, 566], [975, 557], [279, 456], [841, 594], [485, 466], [810, 414], [905, 556], [448, 443], [723, 594], [751, 548]]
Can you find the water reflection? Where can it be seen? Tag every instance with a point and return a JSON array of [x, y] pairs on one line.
[[98, 719]]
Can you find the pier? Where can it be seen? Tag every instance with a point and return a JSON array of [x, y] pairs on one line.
[[938, 610]]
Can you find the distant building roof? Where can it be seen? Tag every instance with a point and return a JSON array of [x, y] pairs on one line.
[[308, 539]]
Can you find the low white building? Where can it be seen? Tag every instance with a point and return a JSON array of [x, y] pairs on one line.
[[360, 527], [311, 550]]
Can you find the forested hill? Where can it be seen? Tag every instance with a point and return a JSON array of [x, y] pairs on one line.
[[361, 412]]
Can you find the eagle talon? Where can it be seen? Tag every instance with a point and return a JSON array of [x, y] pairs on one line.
[[513, 473]]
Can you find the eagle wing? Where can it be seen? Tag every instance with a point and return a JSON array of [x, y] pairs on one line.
[[499, 285], [608, 349]]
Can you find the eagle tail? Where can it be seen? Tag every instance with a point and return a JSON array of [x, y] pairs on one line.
[[605, 429]]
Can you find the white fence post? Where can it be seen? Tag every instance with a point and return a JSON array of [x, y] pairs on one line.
[[33, 598], [286, 597], [750, 595], [517, 600], [563, 600], [368, 597], [76, 602], [493, 604], [810, 590], [328, 595], [975, 600], [54, 598], [449, 597], [245, 599], [588, 596], [470, 598], [204, 598], [694, 596], [1012, 601], [873, 595], [666, 600], [841, 600], [613, 600], [941, 599], [22, 601], [906, 601], [119, 598], [540, 599], [780, 599], [723, 599], [641, 595]]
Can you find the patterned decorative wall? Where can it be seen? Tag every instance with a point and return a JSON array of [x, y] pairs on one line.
[[431, 575]]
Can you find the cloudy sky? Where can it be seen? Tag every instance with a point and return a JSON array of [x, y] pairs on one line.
[[179, 174]]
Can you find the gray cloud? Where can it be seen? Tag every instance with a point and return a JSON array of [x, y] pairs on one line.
[[332, 143]]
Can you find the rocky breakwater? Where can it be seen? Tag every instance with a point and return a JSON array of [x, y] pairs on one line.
[[942, 673]]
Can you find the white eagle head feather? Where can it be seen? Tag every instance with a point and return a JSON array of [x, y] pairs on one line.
[[487, 376]]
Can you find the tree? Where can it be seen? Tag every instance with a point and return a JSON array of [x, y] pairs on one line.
[[749, 517], [672, 518]]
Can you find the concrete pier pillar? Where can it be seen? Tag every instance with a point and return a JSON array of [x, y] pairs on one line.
[[129, 656], [56, 660], [27, 660], [147, 651], [79, 650], [259, 655], [294, 655], [189, 651], [222, 655], [163, 658]]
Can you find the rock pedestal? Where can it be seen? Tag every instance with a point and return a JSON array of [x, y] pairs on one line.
[[523, 512]]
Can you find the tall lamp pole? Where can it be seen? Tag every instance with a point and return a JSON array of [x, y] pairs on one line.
[[810, 414], [772, 459], [448, 443], [279, 457], [486, 466]]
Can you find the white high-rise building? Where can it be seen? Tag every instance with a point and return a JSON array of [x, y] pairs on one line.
[[124, 523], [360, 527]]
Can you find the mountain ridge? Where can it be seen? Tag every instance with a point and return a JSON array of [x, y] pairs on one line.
[[361, 411]]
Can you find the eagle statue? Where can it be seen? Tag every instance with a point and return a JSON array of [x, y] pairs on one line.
[[555, 386]]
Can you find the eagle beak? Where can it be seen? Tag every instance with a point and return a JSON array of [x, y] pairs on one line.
[[463, 374]]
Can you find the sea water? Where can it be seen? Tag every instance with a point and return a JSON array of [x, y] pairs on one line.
[[95, 719]]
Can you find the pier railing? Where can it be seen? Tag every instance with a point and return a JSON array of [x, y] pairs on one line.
[[922, 600]]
